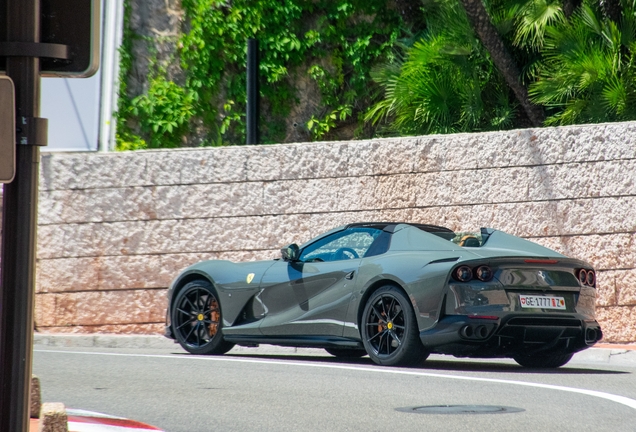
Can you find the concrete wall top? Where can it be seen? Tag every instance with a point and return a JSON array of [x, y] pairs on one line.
[[433, 153]]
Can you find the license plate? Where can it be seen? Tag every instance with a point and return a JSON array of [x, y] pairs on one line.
[[542, 302]]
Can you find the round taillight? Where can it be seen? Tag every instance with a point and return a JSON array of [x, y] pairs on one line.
[[484, 273], [583, 276], [591, 278], [463, 274]]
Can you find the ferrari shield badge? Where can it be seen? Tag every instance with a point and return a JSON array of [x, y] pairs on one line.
[[249, 278]]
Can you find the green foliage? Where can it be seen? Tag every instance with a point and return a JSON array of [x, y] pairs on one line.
[[164, 112], [335, 43], [446, 82], [524, 22], [581, 69], [357, 62], [321, 127], [589, 72], [126, 139]]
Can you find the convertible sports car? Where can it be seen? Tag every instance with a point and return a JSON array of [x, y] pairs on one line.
[[397, 292]]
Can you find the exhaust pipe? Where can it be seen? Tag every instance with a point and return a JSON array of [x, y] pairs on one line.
[[474, 332], [481, 332], [466, 331], [591, 335]]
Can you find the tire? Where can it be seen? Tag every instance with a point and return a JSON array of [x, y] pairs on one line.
[[197, 319], [389, 329], [544, 361], [346, 352]]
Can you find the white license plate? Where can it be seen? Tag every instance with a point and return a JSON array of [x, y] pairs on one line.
[[542, 302]]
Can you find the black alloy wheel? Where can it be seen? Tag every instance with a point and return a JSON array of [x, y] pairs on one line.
[[196, 319], [389, 329]]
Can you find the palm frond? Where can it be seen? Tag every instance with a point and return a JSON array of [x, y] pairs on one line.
[[533, 19], [615, 96]]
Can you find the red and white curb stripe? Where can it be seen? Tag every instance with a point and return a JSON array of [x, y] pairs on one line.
[[88, 421]]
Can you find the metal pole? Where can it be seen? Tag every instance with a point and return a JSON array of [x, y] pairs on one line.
[[111, 36], [17, 291], [252, 92]]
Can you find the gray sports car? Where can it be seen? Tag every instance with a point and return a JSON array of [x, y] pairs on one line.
[[397, 292]]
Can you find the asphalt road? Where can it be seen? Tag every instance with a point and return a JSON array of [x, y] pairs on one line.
[[312, 391]]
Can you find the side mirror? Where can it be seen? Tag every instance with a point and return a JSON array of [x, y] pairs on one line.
[[291, 252]]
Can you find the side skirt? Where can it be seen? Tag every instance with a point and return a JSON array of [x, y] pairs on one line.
[[296, 341]]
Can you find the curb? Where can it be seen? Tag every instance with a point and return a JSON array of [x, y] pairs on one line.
[[103, 341], [616, 355], [63, 340], [57, 418], [53, 418]]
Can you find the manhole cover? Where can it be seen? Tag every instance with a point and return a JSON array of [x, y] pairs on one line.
[[461, 409]]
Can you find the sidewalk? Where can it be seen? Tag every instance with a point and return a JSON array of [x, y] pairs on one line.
[[611, 354]]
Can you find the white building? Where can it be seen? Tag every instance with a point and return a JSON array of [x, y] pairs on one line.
[[80, 110]]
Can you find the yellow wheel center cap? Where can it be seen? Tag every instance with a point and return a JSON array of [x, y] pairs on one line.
[[389, 325], [200, 317]]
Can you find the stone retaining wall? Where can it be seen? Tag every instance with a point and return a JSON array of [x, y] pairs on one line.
[[115, 228]]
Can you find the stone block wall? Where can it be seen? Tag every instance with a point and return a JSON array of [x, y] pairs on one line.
[[115, 228]]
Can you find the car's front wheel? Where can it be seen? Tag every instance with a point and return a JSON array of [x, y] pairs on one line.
[[196, 319], [389, 329], [543, 361]]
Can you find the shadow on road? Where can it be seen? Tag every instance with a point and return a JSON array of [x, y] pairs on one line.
[[452, 364]]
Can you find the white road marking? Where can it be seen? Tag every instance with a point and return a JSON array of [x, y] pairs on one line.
[[599, 394]]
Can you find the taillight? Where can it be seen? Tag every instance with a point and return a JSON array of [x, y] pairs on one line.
[[463, 274], [587, 277], [540, 261], [583, 276], [484, 273], [486, 317]]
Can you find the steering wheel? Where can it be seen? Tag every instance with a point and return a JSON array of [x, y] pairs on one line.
[[345, 253]]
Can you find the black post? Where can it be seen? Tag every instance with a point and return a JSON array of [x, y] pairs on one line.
[[253, 97], [17, 291]]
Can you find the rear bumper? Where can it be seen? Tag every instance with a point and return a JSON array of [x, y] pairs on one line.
[[514, 334]]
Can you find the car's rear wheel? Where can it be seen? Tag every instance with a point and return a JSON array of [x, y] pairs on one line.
[[543, 361], [389, 329], [346, 352], [196, 319]]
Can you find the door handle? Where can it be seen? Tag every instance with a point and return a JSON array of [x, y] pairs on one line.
[[349, 275]]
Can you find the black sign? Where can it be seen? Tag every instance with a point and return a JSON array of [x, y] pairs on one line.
[[75, 23], [7, 130]]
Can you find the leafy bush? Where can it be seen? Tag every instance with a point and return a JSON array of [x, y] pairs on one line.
[[332, 43]]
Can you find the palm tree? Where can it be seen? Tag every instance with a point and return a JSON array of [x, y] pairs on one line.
[[589, 68], [489, 36], [579, 62], [445, 83]]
